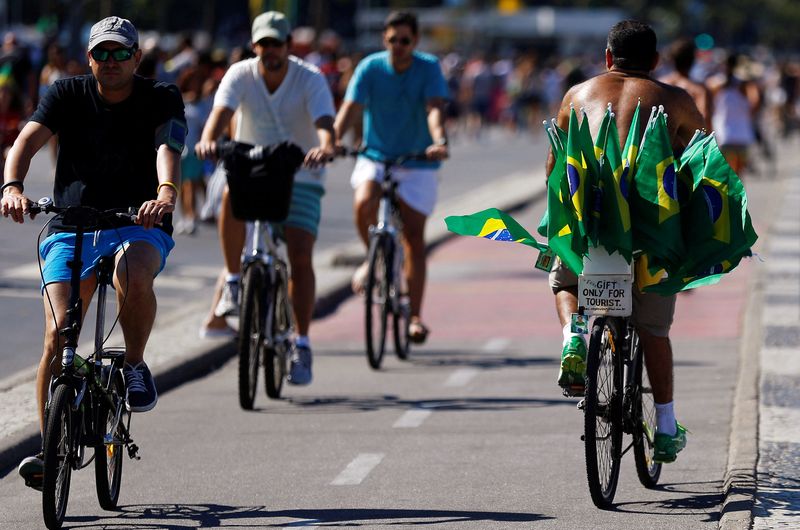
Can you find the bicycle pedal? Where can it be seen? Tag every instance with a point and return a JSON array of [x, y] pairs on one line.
[[133, 452], [582, 404]]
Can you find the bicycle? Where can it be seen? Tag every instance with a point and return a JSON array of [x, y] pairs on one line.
[[385, 289], [86, 405], [618, 397], [266, 324]]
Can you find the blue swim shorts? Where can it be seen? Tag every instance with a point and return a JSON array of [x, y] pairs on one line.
[[58, 248]]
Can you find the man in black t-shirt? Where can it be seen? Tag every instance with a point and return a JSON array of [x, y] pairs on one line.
[[120, 138]]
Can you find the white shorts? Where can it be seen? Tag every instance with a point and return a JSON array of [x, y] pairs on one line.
[[417, 187]]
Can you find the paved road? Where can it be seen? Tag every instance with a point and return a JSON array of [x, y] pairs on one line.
[[471, 433]]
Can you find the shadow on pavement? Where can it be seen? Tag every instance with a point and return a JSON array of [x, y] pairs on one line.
[[176, 517], [699, 498], [344, 404]]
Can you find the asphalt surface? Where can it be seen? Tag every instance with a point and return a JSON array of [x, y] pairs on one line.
[[504, 352]]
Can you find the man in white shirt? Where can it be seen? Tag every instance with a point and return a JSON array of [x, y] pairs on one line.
[[279, 98]]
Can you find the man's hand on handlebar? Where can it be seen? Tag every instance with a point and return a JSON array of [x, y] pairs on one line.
[[15, 205], [206, 149], [152, 212], [319, 156], [437, 152]]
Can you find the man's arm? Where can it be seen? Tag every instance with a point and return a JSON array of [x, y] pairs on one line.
[[347, 118], [219, 119], [32, 137], [168, 167], [437, 151], [319, 156]]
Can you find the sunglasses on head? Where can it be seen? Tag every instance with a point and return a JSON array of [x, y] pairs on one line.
[[404, 41], [118, 54]]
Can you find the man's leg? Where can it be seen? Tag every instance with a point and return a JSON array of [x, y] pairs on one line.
[[572, 368], [365, 213], [415, 264], [133, 280], [299, 247], [658, 359], [231, 237]]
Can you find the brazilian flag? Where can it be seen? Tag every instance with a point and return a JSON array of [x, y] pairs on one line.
[[492, 224], [615, 231], [655, 201]]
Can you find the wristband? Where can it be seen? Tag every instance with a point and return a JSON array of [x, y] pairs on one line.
[[14, 183], [170, 184]]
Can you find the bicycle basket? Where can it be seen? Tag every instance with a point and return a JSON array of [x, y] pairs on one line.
[[262, 189]]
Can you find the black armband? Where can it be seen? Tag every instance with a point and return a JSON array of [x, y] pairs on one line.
[[14, 183], [172, 134]]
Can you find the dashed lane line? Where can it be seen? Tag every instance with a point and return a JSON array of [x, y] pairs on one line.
[[412, 418], [357, 470]]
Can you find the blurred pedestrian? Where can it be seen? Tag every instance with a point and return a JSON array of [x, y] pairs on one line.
[[682, 56], [15, 63]]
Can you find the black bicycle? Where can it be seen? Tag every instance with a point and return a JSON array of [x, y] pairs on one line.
[[86, 405], [260, 181], [618, 400], [385, 290]]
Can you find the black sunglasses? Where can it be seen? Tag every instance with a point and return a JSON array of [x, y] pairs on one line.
[[405, 41], [271, 43], [118, 54]]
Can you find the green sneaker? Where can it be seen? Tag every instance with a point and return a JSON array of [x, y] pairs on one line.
[[573, 363], [666, 447]]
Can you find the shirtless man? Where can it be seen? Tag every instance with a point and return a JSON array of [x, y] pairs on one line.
[[631, 56]]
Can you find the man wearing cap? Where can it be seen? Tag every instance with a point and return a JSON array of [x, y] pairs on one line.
[[279, 98], [120, 137]]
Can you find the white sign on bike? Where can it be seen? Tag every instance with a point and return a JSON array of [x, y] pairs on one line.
[[605, 294], [605, 286]]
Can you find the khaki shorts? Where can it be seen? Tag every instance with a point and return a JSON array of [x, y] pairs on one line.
[[651, 312]]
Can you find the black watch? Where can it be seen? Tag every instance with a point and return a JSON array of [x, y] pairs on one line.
[[442, 142]]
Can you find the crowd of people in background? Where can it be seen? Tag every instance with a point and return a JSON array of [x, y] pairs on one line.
[[745, 98]]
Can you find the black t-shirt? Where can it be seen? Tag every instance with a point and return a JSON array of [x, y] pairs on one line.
[[107, 153]]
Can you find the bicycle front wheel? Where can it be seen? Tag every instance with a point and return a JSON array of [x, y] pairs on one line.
[[377, 301], [59, 441], [108, 455], [275, 355], [644, 424], [251, 334], [603, 411]]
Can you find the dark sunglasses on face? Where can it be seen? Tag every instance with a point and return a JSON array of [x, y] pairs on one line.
[[403, 41], [120, 54], [271, 43]]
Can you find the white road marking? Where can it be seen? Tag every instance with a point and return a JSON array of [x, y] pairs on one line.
[[357, 470], [308, 524], [496, 345], [412, 418], [461, 377]]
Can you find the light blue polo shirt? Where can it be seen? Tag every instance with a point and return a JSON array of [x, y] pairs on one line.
[[395, 116]]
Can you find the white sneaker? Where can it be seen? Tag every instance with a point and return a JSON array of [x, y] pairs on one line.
[[229, 302]]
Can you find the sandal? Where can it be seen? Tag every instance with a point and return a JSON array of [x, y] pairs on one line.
[[417, 332], [358, 283]]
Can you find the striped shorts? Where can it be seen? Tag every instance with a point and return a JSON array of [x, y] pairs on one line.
[[306, 207]]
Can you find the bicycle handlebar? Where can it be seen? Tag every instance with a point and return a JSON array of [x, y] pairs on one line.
[[88, 214], [393, 161]]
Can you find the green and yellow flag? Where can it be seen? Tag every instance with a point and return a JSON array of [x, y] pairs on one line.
[[615, 232], [492, 224]]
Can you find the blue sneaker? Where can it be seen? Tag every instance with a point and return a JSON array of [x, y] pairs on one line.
[[300, 366], [141, 389], [32, 470]]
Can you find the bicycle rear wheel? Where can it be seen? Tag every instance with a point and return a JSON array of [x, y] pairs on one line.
[[377, 301], [275, 355], [644, 424], [603, 411], [60, 437], [401, 319], [251, 334], [108, 455]]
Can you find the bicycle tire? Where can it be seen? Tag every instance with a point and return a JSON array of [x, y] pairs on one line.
[[376, 302], [401, 310], [59, 440], [275, 356], [251, 334], [603, 411], [644, 424], [108, 456]]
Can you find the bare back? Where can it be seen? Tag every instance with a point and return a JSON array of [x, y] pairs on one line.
[[624, 90]]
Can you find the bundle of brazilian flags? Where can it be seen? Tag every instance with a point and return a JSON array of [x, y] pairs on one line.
[[684, 221]]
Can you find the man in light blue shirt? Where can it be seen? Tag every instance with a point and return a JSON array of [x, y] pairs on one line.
[[401, 93]]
